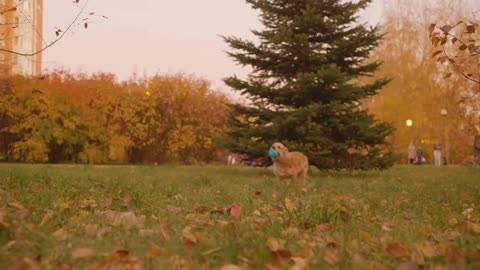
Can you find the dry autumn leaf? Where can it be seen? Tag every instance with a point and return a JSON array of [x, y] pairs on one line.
[[331, 256], [231, 267], [60, 234], [108, 201], [173, 209], [388, 226], [275, 244], [368, 237], [16, 205], [454, 254], [82, 253], [452, 221], [396, 249], [417, 257], [324, 227], [46, 218], [155, 251], [474, 227], [125, 219], [235, 210], [122, 253], [298, 263]]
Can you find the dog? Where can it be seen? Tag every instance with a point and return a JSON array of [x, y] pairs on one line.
[[293, 165]]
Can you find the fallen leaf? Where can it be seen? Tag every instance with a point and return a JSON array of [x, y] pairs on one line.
[[473, 227], [275, 244], [298, 263], [228, 226], [173, 210], [126, 219], [82, 253], [146, 232], [452, 221], [331, 256], [454, 254], [122, 253], [211, 251], [129, 202], [46, 218], [467, 211], [345, 216], [388, 226], [21, 213], [429, 251], [383, 202], [165, 232], [235, 210], [193, 236], [474, 257], [200, 236], [88, 204], [231, 267], [417, 257], [24, 264], [453, 235], [155, 251], [16, 205], [91, 229], [396, 249], [324, 227], [368, 237], [201, 209], [60, 234], [62, 203], [289, 204], [108, 201], [281, 255]]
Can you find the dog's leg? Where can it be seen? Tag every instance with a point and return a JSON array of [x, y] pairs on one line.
[[303, 176]]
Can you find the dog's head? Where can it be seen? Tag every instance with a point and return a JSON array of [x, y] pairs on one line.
[[280, 148]]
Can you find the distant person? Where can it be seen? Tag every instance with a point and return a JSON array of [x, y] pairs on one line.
[[412, 153], [419, 155], [476, 150], [437, 154]]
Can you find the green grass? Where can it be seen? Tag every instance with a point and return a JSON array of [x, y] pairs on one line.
[[432, 212]]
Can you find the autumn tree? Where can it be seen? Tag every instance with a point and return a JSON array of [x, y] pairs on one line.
[[304, 88], [418, 91], [94, 119], [458, 47]]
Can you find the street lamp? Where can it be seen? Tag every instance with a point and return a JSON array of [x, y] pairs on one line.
[[409, 123], [444, 113]]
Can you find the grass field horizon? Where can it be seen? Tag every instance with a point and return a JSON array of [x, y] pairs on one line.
[[209, 217]]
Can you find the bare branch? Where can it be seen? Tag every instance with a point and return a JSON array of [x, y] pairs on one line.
[[53, 42]]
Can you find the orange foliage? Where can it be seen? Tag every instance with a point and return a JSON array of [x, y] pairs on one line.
[[79, 118]]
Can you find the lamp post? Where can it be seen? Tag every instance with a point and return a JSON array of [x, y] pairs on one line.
[[444, 113], [409, 124]]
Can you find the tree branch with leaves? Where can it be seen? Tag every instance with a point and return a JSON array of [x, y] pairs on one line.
[[459, 47]]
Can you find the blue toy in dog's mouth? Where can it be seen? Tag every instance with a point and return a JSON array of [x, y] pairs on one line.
[[273, 153]]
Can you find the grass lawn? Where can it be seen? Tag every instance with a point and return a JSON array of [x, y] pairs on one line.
[[160, 217]]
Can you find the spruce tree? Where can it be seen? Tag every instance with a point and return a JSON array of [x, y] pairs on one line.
[[306, 85]]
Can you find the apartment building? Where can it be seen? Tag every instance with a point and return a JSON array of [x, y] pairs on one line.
[[21, 26]]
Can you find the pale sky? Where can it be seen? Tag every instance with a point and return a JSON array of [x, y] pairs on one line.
[[154, 36]]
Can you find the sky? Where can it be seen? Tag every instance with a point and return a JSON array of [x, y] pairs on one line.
[[154, 36]]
